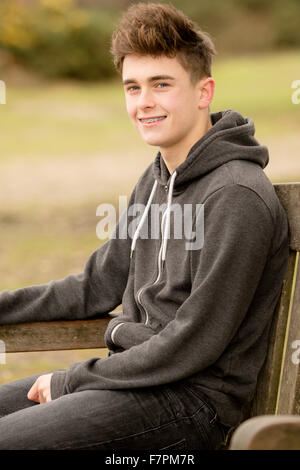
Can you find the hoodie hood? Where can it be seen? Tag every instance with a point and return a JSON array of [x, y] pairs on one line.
[[231, 137]]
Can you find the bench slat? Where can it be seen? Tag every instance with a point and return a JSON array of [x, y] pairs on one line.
[[289, 195], [53, 336], [267, 433], [289, 393], [269, 377]]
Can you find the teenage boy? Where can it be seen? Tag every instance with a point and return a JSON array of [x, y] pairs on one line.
[[185, 354]]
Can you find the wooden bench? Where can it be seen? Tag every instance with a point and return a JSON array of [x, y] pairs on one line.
[[274, 422], [268, 432], [278, 389]]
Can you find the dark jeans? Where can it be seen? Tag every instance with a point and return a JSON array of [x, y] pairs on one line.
[[173, 417]]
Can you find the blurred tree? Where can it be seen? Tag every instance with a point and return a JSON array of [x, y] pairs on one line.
[[71, 38]]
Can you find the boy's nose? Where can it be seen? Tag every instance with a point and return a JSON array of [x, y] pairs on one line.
[[146, 99]]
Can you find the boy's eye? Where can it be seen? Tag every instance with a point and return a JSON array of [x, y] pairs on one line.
[[134, 87], [131, 88]]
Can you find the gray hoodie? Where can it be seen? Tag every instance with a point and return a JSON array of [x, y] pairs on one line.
[[196, 305]]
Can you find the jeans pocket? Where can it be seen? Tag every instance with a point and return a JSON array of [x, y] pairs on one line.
[[179, 445], [207, 419], [198, 394]]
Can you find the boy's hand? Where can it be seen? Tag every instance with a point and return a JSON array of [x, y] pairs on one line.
[[40, 390]]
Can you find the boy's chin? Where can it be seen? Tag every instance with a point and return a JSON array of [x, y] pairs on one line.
[[152, 142]]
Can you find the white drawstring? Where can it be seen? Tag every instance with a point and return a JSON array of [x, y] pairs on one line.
[[138, 229], [166, 233], [166, 229]]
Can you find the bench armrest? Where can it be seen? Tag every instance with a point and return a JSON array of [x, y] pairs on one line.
[[267, 432], [54, 335]]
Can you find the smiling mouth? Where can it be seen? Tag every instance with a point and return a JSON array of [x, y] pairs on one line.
[[153, 119]]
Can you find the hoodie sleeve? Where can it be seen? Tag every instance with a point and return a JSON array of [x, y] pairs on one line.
[[94, 292], [226, 273]]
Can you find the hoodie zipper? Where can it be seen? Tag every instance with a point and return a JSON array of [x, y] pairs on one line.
[[142, 289]]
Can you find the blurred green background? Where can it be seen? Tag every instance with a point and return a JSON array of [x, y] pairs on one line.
[[67, 145]]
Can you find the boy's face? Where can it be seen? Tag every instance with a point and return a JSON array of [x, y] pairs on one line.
[[159, 87]]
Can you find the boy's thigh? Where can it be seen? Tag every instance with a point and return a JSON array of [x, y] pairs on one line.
[[141, 419]]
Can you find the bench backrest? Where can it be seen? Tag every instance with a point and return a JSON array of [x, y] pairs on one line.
[[278, 388]]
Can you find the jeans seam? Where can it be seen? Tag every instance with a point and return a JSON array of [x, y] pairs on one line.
[[174, 406]]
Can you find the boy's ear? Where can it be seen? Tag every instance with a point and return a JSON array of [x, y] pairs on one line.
[[206, 88]]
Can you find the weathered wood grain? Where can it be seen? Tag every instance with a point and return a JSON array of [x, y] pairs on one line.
[[268, 380], [289, 389], [53, 336], [267, 433], [268, 398], [289, 195]]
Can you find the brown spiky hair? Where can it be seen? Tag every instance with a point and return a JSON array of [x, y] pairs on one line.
[[157, 29]]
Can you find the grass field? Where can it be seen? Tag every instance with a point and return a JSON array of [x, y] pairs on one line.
[[65, 148]]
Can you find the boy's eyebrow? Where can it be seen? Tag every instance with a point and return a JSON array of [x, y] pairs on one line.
[[150, 79]]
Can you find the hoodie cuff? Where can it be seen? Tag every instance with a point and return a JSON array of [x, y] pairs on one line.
[[132, 334], [57, 384], [107, 335], [113, 332]]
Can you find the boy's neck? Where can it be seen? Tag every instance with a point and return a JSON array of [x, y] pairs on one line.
[[174, 156]]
